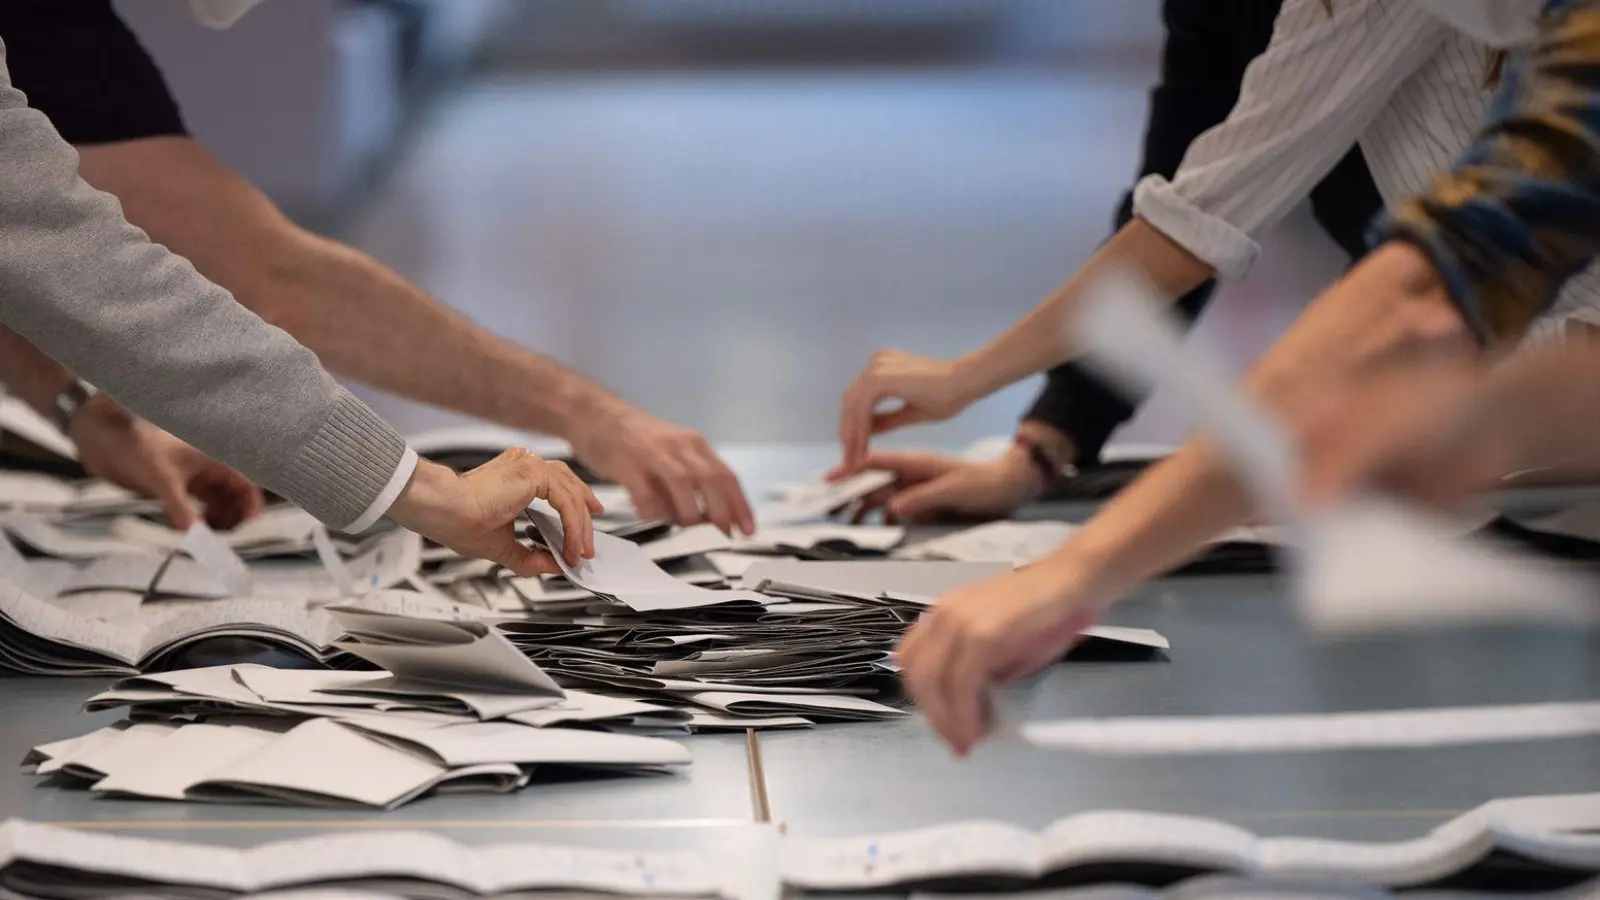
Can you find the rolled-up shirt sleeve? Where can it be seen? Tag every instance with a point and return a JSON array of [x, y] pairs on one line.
[[1328, 71], [98, 296], [1519, 214]]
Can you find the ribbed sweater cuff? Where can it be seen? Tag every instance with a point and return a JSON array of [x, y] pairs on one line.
[[344, 468], [1216, 242]]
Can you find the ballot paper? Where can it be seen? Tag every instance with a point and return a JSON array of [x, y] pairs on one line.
[[702, 539], [622, 570], [871, 578], [19, 419], [487, 441], [467, 663], [53, 540], [57, 860], [1367, 565], [1401, 728], [1017, 543], [1140, 847], [818, 500]]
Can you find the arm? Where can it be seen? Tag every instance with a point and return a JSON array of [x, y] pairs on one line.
[[1302, 104], [1520, 213], [128, 451], [366, 322], [92, 291], [1391, 307]]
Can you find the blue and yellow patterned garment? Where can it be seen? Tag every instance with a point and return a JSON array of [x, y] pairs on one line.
[[1520, 212]]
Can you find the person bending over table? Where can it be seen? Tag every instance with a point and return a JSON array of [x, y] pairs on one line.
[[1203, 60], [97, 294], [82, 67], [1462, 271]]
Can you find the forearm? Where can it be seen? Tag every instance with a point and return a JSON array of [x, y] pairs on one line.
[[1546, 407], [1042, 338], [28, 374], [1520, 212], [367, 323], [1389, 309]]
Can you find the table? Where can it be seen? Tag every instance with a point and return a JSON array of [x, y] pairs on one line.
[[1237, 650]]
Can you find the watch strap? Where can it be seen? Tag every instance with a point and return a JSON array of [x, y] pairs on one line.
[[69, 401]]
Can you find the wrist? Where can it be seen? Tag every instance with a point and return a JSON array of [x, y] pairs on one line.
[[430, 495], [97, 411]]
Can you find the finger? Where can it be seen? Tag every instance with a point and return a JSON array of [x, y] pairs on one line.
[[921, 671], [647, 500], [713, 487], [580, 496], [502, 547], [962, 686], [924, 499], [170, 488], [674, 479], [575, 524], [855, 417], [896, 418]]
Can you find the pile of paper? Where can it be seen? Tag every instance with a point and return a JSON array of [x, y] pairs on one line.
[[457, 708], [1025, 542], [686, 629]]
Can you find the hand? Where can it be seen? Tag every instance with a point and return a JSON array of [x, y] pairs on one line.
[[928, 390], [1416, 433], [132, 453], [987, 634], [475, 514], [668, 470], [928, 485]]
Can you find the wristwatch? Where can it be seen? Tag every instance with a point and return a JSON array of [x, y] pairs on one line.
[[69, 401]]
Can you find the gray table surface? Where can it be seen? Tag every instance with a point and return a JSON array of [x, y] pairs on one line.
[[1237, 650]]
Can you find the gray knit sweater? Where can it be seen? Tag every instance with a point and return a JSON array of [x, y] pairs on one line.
[[140, 323]]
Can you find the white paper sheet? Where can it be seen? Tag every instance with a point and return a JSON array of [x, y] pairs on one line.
[[1183, 735]]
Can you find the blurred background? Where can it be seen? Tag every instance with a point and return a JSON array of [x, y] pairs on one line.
[[716, 208]]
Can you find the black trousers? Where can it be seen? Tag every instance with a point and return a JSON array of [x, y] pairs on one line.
[[1208, 46]]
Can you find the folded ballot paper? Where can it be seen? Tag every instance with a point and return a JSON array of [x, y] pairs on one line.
[[473, 718], [622, 571], [1550, 841], [47, 861], [1370, 564]]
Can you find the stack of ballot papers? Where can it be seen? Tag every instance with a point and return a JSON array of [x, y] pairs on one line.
[[1547, 841], [686, 630], [799, 642], [54, 863], [457, 708]]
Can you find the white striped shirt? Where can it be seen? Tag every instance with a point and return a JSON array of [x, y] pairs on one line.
[[1387, 74]]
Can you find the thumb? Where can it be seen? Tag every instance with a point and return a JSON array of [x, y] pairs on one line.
[[502, 547], [928, 497], [172, 493]]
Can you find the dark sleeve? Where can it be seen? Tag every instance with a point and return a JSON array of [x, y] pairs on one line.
[[1203, 59], [1519, 214], [81, 66]]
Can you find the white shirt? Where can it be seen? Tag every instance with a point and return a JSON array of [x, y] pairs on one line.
[[1387, 74]]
